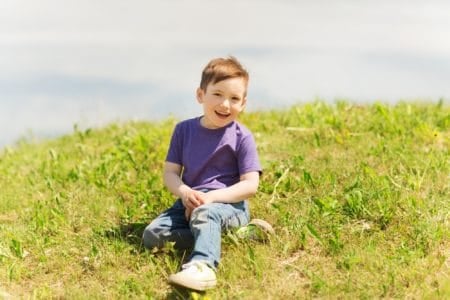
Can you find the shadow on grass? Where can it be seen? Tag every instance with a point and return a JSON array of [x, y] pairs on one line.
[[128, 232], [131, 233], [180, 293]]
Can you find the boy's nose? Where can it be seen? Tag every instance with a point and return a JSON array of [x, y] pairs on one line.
[[226, 103]]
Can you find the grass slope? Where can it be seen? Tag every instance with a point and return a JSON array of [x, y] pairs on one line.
[[358, 195]]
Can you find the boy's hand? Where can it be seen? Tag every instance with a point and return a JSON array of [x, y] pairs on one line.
[[206, 198], [192, 199], [187, 213]]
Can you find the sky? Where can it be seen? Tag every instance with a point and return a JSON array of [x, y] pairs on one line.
[[92, 62]]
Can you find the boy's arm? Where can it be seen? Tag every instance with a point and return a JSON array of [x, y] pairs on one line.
[[173, 182], [244, 189]]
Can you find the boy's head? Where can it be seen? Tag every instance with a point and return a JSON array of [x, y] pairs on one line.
[[222, 92], [220, 69]]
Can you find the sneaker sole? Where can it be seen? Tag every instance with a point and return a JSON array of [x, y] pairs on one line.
[[265, 226]]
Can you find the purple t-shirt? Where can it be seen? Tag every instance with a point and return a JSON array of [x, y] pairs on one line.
[[212, 158]]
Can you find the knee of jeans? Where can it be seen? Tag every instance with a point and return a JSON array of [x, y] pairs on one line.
[[204, 213], [151, 238]]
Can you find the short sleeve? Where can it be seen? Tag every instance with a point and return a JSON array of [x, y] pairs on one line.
[[248, 160], [174, 154]]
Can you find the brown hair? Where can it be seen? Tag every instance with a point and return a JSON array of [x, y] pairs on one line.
[[220, 69]]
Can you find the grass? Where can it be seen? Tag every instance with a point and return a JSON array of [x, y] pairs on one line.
[[358, 196]]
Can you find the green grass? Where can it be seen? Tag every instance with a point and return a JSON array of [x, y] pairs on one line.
[[358, 196]]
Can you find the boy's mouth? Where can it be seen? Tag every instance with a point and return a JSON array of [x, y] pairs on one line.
[[222, 115]]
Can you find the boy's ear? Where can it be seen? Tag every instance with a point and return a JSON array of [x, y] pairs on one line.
[[200, 93]]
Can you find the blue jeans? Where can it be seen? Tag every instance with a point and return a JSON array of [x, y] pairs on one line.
[[202, 232]]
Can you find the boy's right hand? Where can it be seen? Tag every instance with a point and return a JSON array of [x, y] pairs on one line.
[[187, 214], [192, 199]]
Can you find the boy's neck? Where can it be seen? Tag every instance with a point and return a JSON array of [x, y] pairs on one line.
[[203, 125]]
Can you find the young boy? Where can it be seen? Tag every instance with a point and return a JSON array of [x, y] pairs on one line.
[[212, 166]]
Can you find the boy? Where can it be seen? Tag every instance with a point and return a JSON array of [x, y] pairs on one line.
[[212, 166]]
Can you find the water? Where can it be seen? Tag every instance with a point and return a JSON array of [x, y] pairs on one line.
[[94, 62]]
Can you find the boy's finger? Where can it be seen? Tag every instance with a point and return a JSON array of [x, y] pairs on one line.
[[200, 197], [191, 204], [187, 213], [194, 202]]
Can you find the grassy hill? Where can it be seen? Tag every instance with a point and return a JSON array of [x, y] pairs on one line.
[[358, 196]]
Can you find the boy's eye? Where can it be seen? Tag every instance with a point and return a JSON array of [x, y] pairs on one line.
[[216, 94], [235, 99]]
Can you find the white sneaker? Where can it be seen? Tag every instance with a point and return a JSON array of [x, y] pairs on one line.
[[196, 275]]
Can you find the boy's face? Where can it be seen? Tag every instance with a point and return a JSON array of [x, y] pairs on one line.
[[222, 102]]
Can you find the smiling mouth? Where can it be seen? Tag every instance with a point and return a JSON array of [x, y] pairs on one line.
[[222, 115]]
